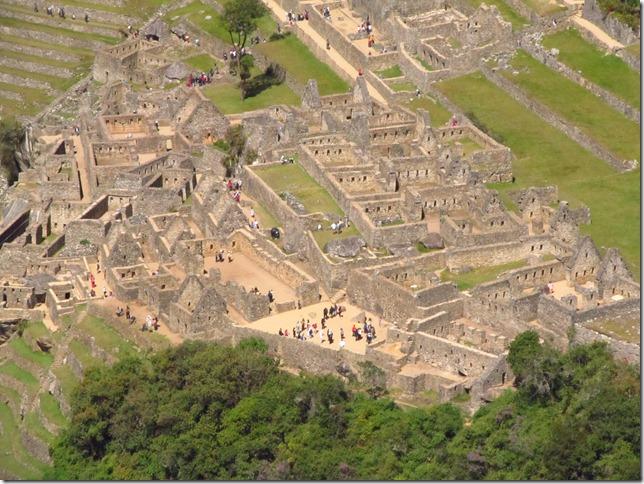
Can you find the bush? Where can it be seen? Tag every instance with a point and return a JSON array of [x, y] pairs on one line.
[[278, 36]]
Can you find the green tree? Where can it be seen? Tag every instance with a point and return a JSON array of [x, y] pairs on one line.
[[240, 17]]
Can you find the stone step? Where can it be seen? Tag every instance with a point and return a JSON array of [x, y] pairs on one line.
[[61, 72], [27, 32], [78, 25], [40, 52], [100, 12], [56, 34]]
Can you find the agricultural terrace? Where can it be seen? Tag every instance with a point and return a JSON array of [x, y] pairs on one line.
[[605, 70], [588, 112], [545, 156]]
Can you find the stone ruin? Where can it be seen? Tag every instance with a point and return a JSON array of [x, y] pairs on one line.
[[136, 196]]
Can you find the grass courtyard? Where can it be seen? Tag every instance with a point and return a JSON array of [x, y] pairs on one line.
[[437, 112], [302, 64], [545, 156], [227, 97], [593, 116], [294, 179], [605, 70], [468, 280]]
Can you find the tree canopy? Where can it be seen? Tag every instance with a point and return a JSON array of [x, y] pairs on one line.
[[12, 134], [241, 18], [205, 411]]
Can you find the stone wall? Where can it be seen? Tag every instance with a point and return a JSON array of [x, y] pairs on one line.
[[557, 121], [546, 58], [621, 350], [609, 23]]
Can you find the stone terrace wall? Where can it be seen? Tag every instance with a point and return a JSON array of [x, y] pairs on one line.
[[557, 121], [609, 23], [542, 55], [622, 351]]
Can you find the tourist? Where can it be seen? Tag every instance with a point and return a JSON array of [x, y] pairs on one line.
[[342, 344], [329, 335], [230, 256], [270, 296], [280, 332], [86, 17], [321, 333], [328, 44]]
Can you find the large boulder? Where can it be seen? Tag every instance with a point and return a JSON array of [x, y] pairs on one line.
[[433, 241], [349, 247]]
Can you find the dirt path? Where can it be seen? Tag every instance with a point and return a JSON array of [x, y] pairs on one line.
[[340, 61], [83, 169], [599, 34]]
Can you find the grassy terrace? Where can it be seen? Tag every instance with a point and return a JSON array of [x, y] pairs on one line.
[[227, 98], [468, 280], [22, 349], [546, 156], [106, 337], [437, 112], [294, 179], [469, 145], [14, 371], [201, 62], [326, 235], [544, 7], [402, 86], [592, 115], [389, 72], [302, 64], [506, 11], [59, 31], [626, 330], [51, 410], [15, 458], [605, 70]]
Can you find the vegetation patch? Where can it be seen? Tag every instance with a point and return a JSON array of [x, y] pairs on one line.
[[570, 415], [468, 280], [545, 7], [106, 337], [389, 72], [545, 156], [301, 64], [294, 179], [605, 70], [438, 113], [402, 86], [201, 62], [22, 349], [14, 371], [592, 115], [227, 98], [51, 410], [506, 11]]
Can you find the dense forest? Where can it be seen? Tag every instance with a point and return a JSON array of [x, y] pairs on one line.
[[205, 411]]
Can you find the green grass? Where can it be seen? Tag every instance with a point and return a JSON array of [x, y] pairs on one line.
[[22, 349], [83, 354], [68, 380], [20, 374], [605, 70], [438, 113], [326, 235], [51, 410], [545, 156], [401, 86], [15, 458], [469, 145], [424, 63], [60, 32], [58, 83], [592, 115], [302, 64], [265, 217], [106, 337], [37, 59], [544, 7], [197, 12], [83, 53], [634, 49], [389, 72], [34, 426], [468, 280], [227, 98], [201, 62], [625, 330], [294, 179], [507, 12]]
